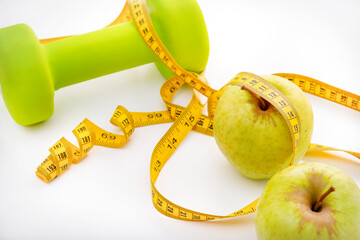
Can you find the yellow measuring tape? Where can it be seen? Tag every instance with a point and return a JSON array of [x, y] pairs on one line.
[[64, 153]]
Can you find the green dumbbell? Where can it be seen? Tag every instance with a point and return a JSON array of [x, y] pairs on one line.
[[31, 71]]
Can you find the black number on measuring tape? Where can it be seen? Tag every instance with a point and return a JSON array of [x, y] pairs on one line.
[[282, 103], [262, 88], [58, 145], [182, 214], [129, 133], [63, 168], [333, 95], [290, 114], [183, 76], [158, 163], [62, 155], [312, 86], [165, 59], [83, 128], [86, 150], [177, 112], [145, 31], [272, 94], [51, 168], [117, 114], [302, 84], [354, 103], [159, 202], [173, 68], [201, 121], [86, 139], [138, 13], [170, 209], [296, 128], [151, 40], [252, 82], [125, 122], [343, 99], [322, 91], [202, 90]]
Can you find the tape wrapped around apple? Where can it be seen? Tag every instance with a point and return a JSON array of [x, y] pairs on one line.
[[256, 140], [309, 201]]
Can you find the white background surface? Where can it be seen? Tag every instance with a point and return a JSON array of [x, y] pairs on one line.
[[107, 195]]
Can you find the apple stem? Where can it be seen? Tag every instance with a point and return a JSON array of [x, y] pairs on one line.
[[322, 197], [264, 105]]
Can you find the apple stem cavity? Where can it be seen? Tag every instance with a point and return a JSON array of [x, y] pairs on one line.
[[317, 206], [264, 105]]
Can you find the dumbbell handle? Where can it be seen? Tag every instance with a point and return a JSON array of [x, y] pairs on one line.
[[87, 56], [30, 70]]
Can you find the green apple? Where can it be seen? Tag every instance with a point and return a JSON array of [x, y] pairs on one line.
[[257, 142], [298, 203]]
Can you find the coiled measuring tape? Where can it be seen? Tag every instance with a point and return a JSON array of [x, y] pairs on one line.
[[64, 153]]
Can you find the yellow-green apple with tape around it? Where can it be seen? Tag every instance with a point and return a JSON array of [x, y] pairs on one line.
[[256, 139], [311, 201]]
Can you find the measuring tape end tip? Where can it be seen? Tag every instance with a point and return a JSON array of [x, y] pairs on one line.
[[41, 176]]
